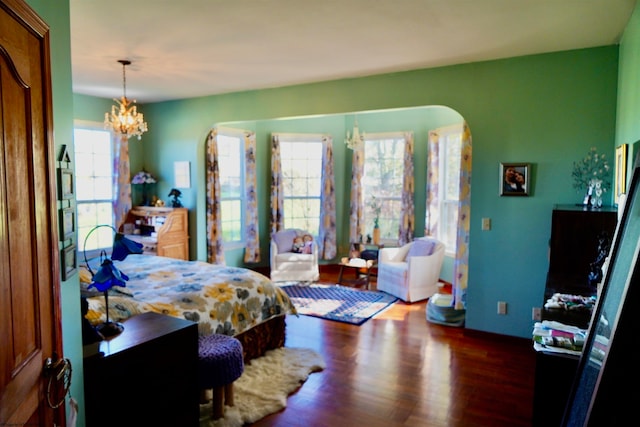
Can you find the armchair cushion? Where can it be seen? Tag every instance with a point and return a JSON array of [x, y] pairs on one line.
[[421, 247], [284, 240]]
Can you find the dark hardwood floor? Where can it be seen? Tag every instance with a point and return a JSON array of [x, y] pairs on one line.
[[400, 370]]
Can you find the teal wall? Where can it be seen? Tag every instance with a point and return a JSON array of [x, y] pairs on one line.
[[544, 109], [627, 125]]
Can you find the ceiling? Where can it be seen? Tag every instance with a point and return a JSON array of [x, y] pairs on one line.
[[190, 48]]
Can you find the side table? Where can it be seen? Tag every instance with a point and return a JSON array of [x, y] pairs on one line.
[[362, 273]]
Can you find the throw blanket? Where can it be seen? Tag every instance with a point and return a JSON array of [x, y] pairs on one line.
[[221, 299]]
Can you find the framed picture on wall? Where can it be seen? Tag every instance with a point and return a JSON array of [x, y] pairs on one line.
[[65, 186], [620, 184], [67, 223], [69, 261], [515, 179]]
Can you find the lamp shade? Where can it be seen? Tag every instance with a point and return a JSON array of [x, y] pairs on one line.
[[122, 247], [108, 276]]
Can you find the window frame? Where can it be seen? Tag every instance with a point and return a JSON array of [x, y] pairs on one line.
[[444, 202], [311, 138], [389, 203], [103, 236], [239, 134]]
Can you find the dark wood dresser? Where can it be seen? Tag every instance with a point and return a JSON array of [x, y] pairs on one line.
[[147, 375], [573, 246]]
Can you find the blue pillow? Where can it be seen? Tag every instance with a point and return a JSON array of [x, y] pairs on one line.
[[284, 240], [421, 247]]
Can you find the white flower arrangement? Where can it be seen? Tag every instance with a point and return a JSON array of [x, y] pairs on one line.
[[588, 171], [143, 177]]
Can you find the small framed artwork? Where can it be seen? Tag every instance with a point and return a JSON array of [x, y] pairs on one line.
[[182, 174], [69, 261], [67, 223], [65, 184], [515, 179], [620, 184]]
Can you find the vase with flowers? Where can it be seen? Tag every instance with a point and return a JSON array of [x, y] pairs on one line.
[[592, 175], [144, 178], [376, 207]]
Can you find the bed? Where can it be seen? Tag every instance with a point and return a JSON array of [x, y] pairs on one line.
[[225, 300]]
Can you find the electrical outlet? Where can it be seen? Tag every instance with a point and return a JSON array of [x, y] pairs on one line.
[[486, 224], [502, 307], [536, 314]]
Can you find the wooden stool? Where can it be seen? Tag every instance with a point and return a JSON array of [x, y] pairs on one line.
[[220, 363]]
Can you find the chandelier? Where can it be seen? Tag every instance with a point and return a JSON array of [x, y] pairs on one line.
[[124, 119], [356, 141]]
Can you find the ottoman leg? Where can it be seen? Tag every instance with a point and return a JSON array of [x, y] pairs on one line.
[[217, 403], [228, 394]]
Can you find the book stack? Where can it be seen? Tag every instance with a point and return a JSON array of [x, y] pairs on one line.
[[556, 337]]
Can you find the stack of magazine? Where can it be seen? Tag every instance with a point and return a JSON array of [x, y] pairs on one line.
[[556, 337]]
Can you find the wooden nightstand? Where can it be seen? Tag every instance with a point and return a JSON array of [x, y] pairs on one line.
[[147, 375]]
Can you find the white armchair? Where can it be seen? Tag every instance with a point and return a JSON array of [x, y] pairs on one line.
[[411, 272], [294, 256]]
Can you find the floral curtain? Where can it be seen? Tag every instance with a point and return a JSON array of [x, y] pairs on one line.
[[461, 261], [277, 198], [356, 210], [407, 219], [327, 234], [252, 235], [215, 248], [121, 180]]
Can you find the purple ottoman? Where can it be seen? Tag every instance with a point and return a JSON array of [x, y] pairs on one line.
[[220, 363]]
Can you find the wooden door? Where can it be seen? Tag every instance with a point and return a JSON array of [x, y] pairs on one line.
[[30, 326]]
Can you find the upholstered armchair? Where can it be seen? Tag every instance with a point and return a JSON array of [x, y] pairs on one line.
[[411, 272], [294, 256]]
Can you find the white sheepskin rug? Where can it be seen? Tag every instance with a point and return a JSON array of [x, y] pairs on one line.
[[264, 386]]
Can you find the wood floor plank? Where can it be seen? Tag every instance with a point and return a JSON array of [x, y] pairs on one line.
[[398, 370]]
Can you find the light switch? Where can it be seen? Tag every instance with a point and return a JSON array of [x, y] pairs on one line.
[[486, 224]]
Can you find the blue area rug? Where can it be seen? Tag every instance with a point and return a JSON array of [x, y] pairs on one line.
[[340, 303]]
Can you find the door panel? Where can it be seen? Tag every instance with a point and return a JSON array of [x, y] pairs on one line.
[[30, 325]]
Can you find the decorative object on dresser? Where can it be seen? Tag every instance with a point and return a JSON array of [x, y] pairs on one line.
[[108, 275], [592, 176], [145, 179], [162, 231], [175, 202]]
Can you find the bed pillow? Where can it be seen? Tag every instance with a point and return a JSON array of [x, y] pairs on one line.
[[421, 247], [284, 240]]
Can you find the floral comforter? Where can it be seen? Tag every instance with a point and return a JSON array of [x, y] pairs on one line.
[[221, 299]]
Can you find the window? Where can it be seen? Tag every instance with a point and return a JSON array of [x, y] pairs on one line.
[[231, 167], [301, 162], [94, 186], [382, 182], [449, 185]]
